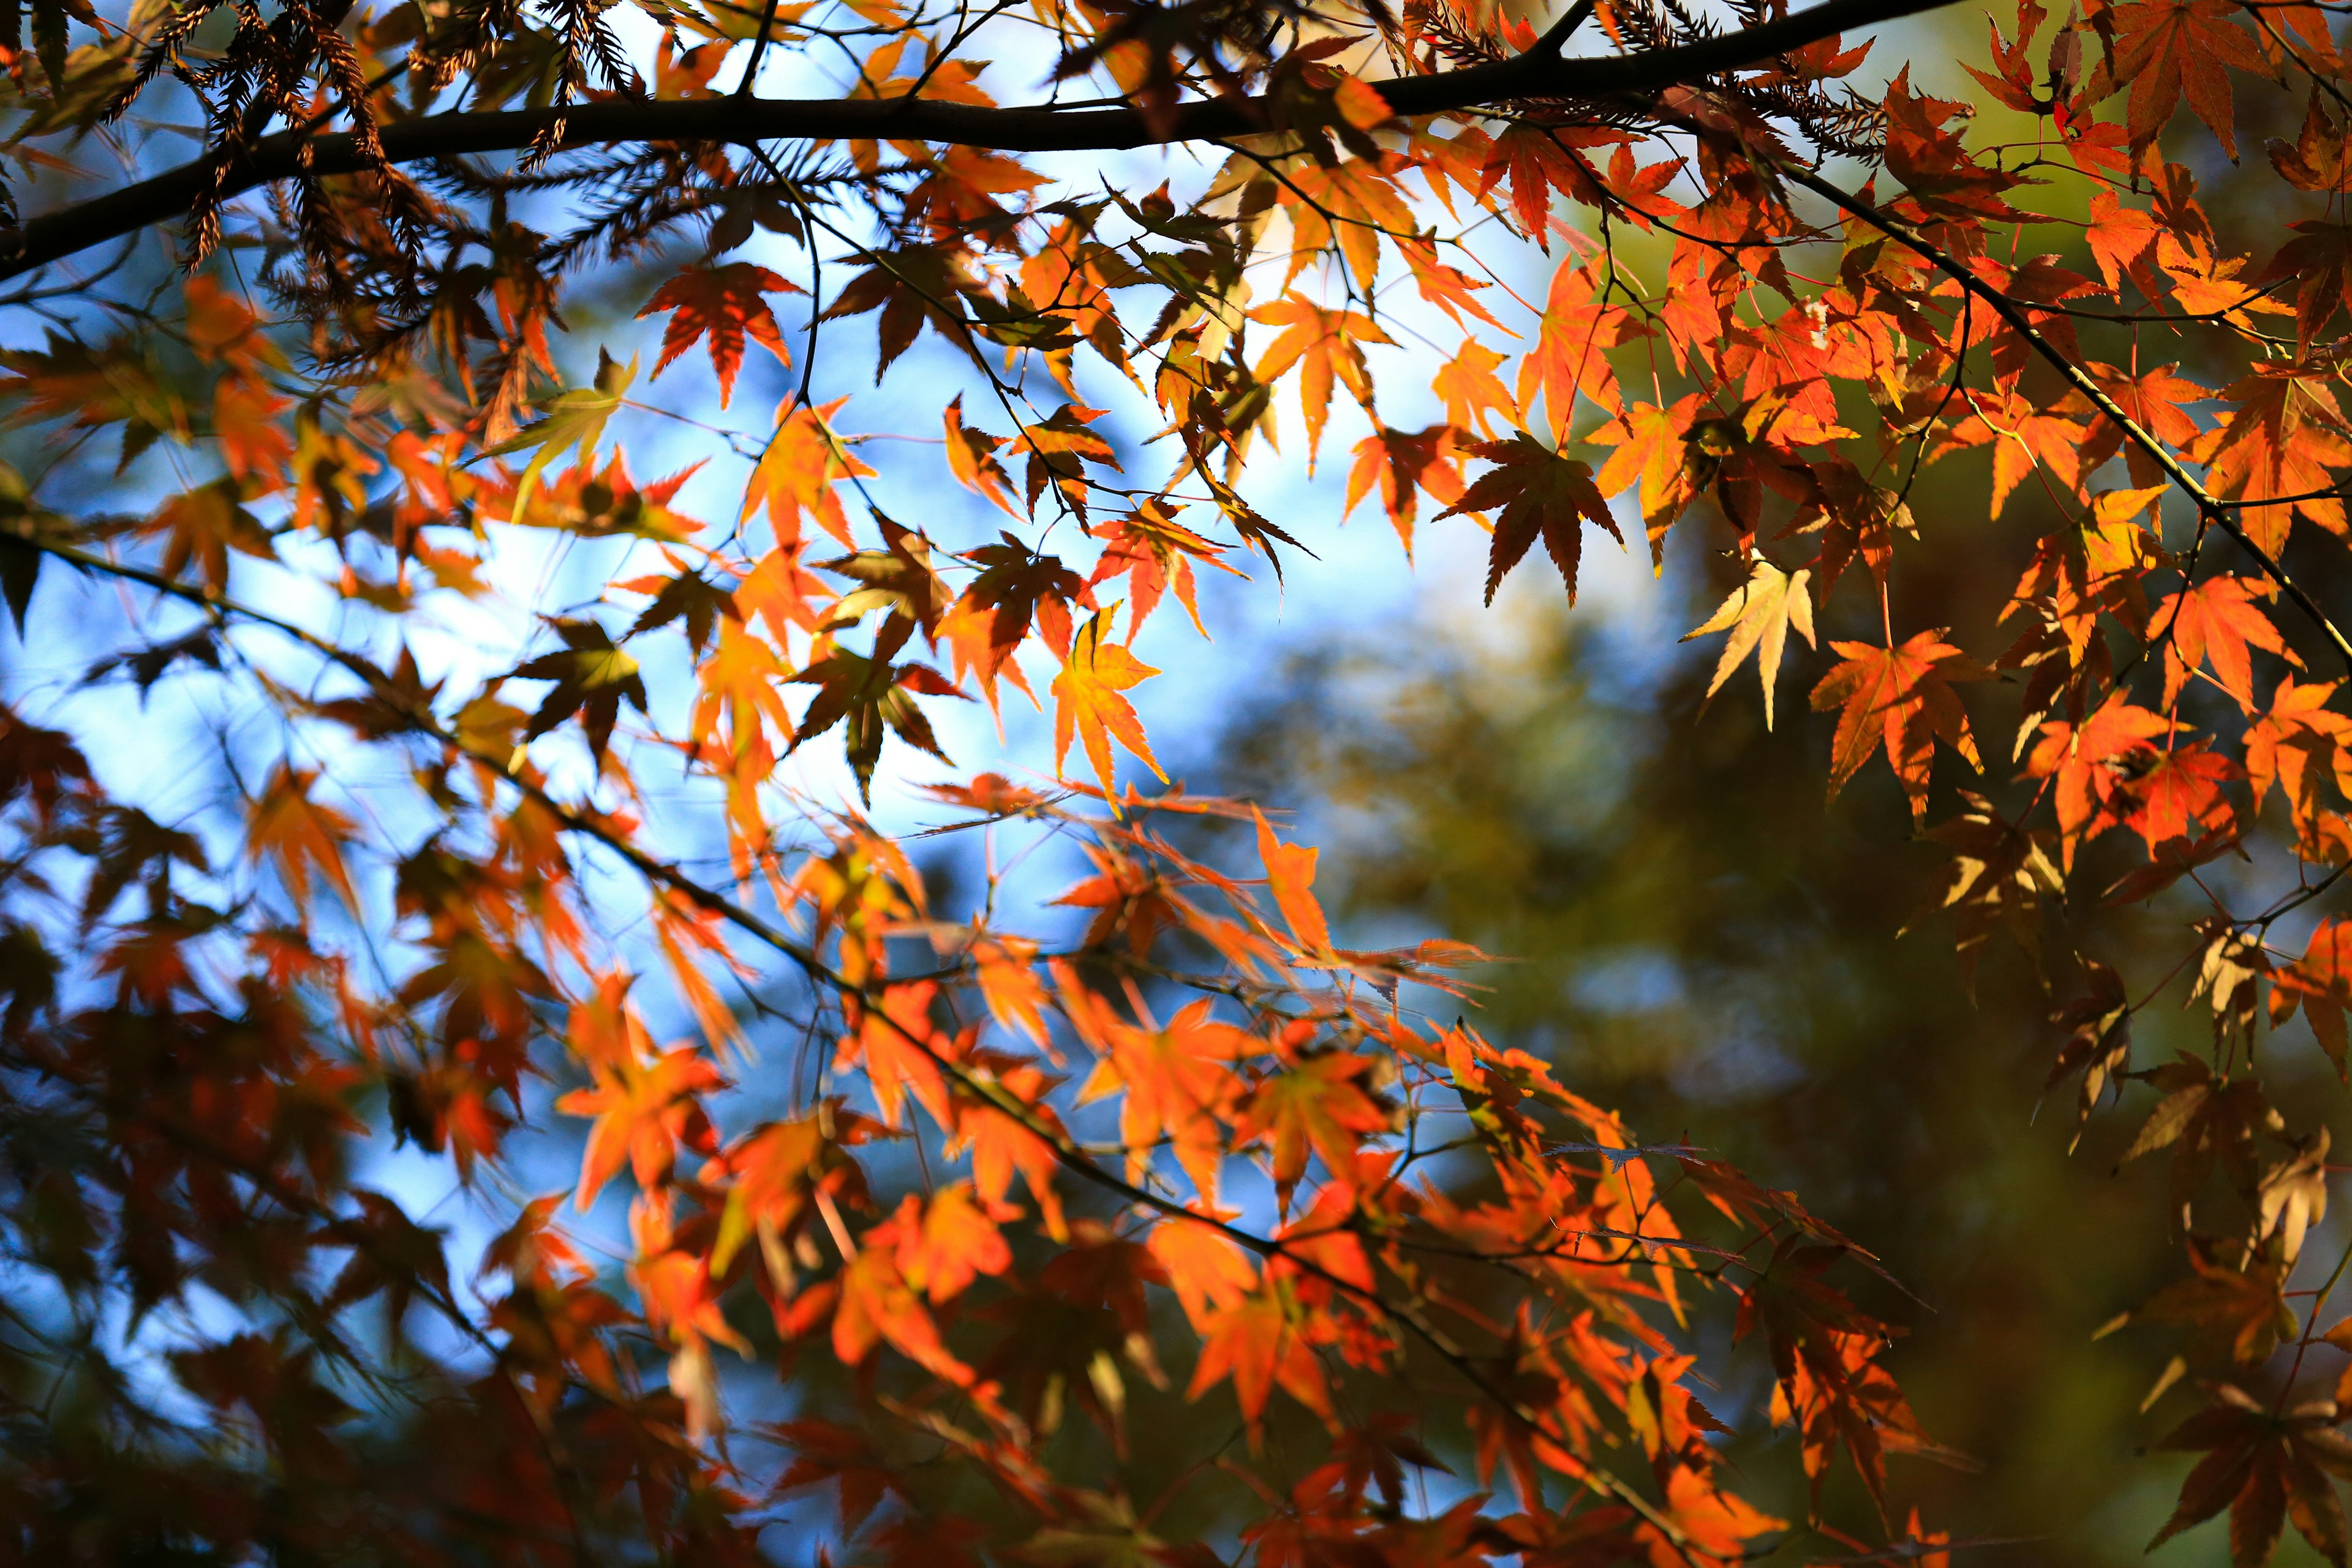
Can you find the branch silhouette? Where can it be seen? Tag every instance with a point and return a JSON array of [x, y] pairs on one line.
[[1539, 73]]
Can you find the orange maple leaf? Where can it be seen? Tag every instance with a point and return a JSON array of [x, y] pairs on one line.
[[1178, 1082], [1315, 1104], [643, 1113], [300, 835], [2083, 758], [945, 1244], [1327, 344], [1572, 355], [1087, 704], [2165, 45], [1290, 874], [797, 472], [2320, 982], [1255, 1344], [1901, 698], [1208, 1272], [897, 1044]]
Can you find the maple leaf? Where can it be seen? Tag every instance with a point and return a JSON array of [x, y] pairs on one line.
[[2122, 239], [1002, 1144], [1400, 464], [877, 1305], [2001, 873], [1255, 1344], [204, 525], [972, 457], [1326, 345], [37, 764], [2217, 619], [826, 1451], [2239, 1314], [392, 1256], [2297, 744], [726, 304], [1018, 587], [1467, 385], [1154, 552], [300, 835], [688, 596], [1536, 159], [2317, 161], [1208, 1272], [1542, 494], [2263, 1467], [2165, 45], [914, 285], [1107, 1272], [1315, 1104], [2179, 794], [1087, 704], [740, 701], [1653, 446], [1758, 615], [592, 676], [1935, 165], [1059, 447], [1900, 699], [1570, 355], [2319, 258], [2320, 982], [797, 470], [899, 1048], [770, 1175], [2089, 761], [1176, 1083], [870, 696], [1290, 874], [1346, 206], [643, 1112], [945, 1243], [1449, 288], [2205, 1120], [576, 420]]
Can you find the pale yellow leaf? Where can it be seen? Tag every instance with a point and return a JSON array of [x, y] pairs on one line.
[[1759, 614]]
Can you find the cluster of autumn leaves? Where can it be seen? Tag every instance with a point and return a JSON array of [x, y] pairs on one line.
[[232, 1119], [1311, 1191]]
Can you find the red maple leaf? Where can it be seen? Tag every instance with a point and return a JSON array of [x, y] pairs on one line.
[[726, 304], [1542, 494]]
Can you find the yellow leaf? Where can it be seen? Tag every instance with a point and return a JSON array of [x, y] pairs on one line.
[[1759, 614]]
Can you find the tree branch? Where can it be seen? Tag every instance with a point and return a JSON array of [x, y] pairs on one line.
[[1539, 73]]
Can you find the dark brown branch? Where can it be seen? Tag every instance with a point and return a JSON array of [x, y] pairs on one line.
[[1539, 73]]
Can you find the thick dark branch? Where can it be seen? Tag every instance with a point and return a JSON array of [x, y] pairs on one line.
[[1539, 73]]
